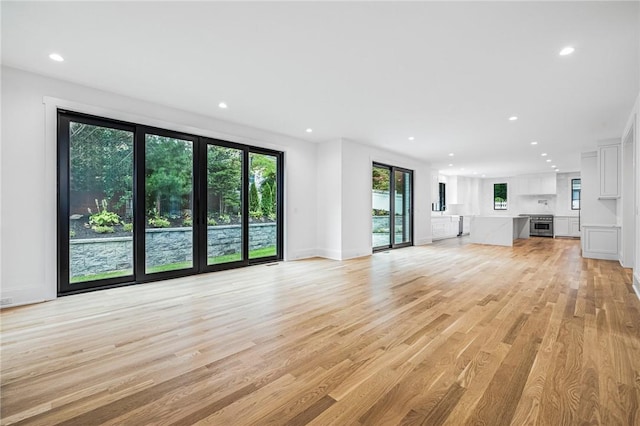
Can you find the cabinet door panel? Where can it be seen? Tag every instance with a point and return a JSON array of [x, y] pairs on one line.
[[561, 226], [608, 167]]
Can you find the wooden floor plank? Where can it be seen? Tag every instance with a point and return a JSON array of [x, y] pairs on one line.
[[450, 333]]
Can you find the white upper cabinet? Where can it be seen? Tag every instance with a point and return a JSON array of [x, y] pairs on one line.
[[609, 170], [541, 184]]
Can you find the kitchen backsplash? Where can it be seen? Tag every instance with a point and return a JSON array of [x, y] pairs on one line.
[[536, 204]]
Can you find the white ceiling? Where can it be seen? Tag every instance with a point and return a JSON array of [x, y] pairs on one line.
[[449, 74]]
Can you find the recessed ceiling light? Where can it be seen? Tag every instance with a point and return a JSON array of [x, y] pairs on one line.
[[451, 154], [222, 105], [450, 165], [309, 130], [461, 168], [554, 166], [567, 51], [548, 160], [56, 57], [534, 143], [513, 118], [411, 138], [475, 173], [484, 175], [544, 154]]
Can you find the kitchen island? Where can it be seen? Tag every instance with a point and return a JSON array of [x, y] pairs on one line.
[[498, 230]]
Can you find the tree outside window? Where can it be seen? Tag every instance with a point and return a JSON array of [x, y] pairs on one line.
[[500, 196]]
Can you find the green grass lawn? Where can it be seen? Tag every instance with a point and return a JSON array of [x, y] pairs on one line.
[[102, 276], [253, 254]]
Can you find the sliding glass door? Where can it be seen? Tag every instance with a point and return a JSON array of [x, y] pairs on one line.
[[392, 207], [381, 207], [402, 212], [225, 216], [263, 205], [139, 204], [96, 176], [168, 186]]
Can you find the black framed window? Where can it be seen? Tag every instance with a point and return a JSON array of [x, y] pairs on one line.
[[442, 196], [138, 204], [500, 196], [575, 194]]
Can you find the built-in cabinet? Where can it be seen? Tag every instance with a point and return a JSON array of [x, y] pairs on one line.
[[444, 227], [540, 184], [566, 226], [609, 170], [601, 242]]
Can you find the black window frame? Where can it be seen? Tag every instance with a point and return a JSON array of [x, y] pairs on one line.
[[506, 193], [64, 287], [579, 191]]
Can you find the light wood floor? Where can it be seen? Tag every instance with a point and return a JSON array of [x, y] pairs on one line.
[[451, 333]]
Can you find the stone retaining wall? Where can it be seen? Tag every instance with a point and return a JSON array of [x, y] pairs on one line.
[[164, 246]]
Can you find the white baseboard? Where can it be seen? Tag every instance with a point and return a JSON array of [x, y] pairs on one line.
[[353, 254], [15, 297], [302, 254], [329, 254], [601, 256], [423, 242]]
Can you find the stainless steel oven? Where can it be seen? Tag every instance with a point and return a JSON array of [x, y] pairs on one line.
[[541, 226]]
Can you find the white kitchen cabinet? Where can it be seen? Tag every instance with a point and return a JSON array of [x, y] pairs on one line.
[[609, 171], [541, 184], [561, 226], [444, 227], [566, 226], [574, 227]]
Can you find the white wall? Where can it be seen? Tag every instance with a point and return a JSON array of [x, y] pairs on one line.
[[486, 197], [626, 207], [634, 123], [351, 196], [356, 199], [563, 189], [28, 209], [329, 192]]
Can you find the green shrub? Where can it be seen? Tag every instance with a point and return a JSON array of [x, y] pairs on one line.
[[103, 229], [255, 214], [224, 218], [211, 222], [127, 227], [159, 222], [254, 200], [103, 217], [266, 202], [187, 222], [72, 233]]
